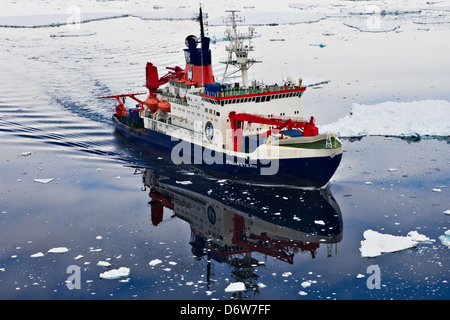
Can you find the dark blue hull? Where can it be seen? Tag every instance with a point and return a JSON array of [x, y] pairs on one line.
[[304, 172]]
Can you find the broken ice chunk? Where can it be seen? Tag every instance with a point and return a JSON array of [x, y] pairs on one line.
[[375, 243], [154, 262], [103, 264], [445, 238], [235, 286], [115, 273], [37, 255], [58, 250], [44, 181]]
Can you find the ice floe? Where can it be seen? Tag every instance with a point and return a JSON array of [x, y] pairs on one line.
[[73, 33], [445, 238], [103, 264], [53, 20], [378, 10], [300, 6], [307, 283], [122, 272], [44, 181], [405, 119], [170, 14], [375, 243], [154, 262], [235, 287], [373, 25], [259, 18], [58, 250], [37, 255]]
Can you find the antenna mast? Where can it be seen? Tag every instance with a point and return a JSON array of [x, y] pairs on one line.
[[239, 48]]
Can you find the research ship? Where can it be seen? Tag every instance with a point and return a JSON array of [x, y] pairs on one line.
[[246, 130]]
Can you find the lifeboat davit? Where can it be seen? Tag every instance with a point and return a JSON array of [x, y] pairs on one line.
[[164, 106], [152, 103]]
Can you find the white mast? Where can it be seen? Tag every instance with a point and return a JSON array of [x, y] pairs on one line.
[[239, 48]]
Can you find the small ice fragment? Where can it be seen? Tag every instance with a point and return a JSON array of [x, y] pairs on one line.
[[302, 293], [99, 237], [307, 283], [321, 222], [286, 274], [115, 273], [368, 182], [103, 264], [154, 262], [436, 190], [447, 212], [25, 154], [235, 286], [360, 275], [98, 169], [95, 250], [419, 237], [392, 169], [172, 263], [58, 250], [78, 257], [37, 255], [44, 181], [184, 182]]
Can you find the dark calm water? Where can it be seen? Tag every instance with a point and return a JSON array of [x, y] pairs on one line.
[[181, 233]]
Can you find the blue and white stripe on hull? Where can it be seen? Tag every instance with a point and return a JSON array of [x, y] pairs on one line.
[[303, 172]]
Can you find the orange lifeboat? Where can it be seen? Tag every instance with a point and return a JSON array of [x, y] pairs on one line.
[[152, 103], [164, 106]]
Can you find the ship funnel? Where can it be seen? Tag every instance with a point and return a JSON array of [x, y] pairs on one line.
[[198, 59]]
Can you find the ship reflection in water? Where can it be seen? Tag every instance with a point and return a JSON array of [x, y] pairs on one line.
[[231, 221]]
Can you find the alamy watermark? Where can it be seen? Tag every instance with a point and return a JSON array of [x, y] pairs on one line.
[[374, 280], [374, 21], [74, 19], [260, 151], [74, 280]]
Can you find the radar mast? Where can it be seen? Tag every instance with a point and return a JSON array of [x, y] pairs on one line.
[[240, 47]]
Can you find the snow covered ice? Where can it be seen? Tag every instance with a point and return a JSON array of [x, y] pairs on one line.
[[112, 274], [58, 250], [423, 118], [375, 243], [235, 287]]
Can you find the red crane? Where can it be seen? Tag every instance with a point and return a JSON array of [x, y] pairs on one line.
[[307, 128]]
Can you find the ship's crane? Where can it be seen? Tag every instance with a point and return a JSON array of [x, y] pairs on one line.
[[153, 82], [120, 108], [307, 128]]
